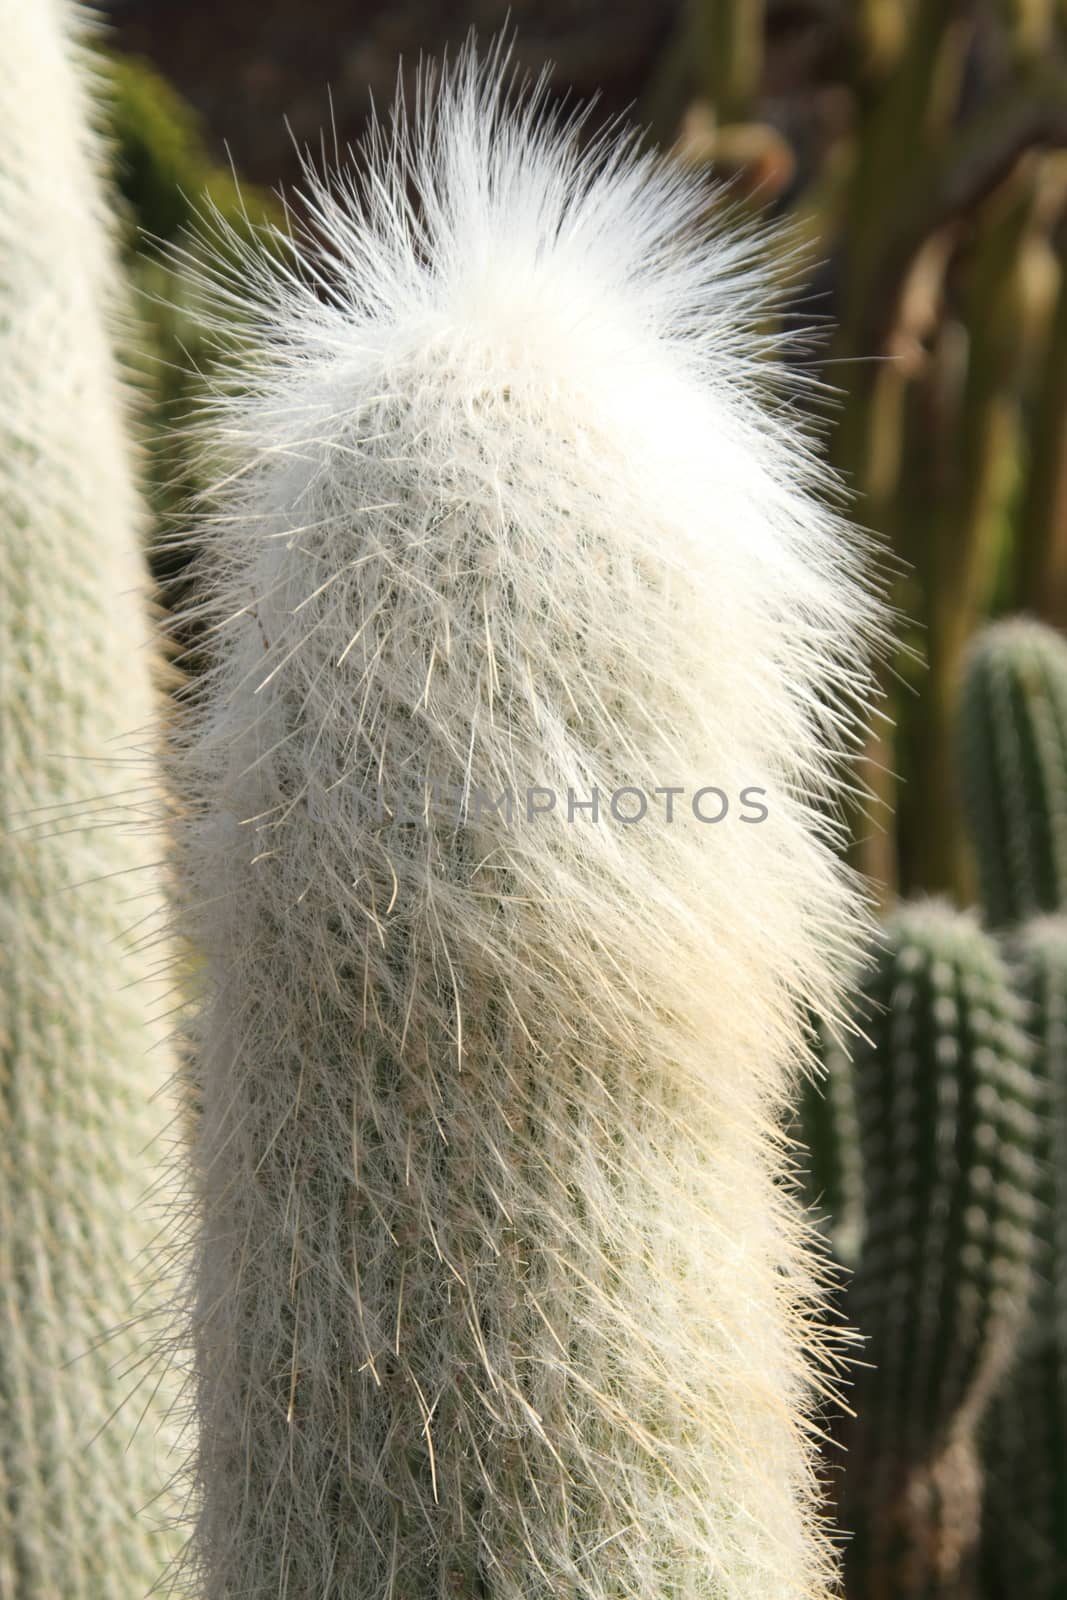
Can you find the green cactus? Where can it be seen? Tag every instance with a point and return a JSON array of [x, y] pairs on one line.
[[828, 1134], [949, 1137], [172, 194], [160, 160], [1027, 1440], [83, 1466], [1013, 747], [1041, 548]]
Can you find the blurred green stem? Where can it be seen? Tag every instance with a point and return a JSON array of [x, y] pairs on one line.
[[960, 545], [727, 41], [1043, 521], [900, 124], [716, 52]]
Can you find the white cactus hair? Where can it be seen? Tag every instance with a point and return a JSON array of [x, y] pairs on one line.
[[496, 1289]]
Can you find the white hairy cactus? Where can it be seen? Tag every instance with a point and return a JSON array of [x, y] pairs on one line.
[[82, 1466], [496, 1290]]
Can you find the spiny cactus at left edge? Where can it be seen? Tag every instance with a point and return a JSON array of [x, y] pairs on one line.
[[496, 1290], [1013, 767], [1026, 1440], [950, 1140], [83, 1054]]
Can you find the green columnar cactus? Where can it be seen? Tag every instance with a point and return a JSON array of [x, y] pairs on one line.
[[1027, 1436], [828, 1133], [499, 1291], [960, 519], [1042, 549], [80, 1059], [1013, 747], [949, 1138]]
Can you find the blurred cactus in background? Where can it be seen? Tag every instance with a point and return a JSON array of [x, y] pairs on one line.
[[1026, 1529], [82, 1054], [1013, 756], [174, 197], [827, 1133], [949, 1135], [963, 1150], [915, 146], [955, 1479], [161, 165]]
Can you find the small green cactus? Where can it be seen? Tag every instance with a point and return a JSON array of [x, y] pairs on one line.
[[1013, 745], [1027, 1439], [949, 1139]]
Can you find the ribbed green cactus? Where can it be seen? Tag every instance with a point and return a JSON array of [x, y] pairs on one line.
[[828, 1133], [949, 1141], [80, 1487], [1013, 746], [1026, 1531]]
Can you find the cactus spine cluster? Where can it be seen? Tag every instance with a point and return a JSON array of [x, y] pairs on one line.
[[950, 1140], [496, 1291], [1013, 743], [79, 1058]]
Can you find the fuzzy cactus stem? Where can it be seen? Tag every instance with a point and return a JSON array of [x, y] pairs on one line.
[[83, 1053], [496, 1291]]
